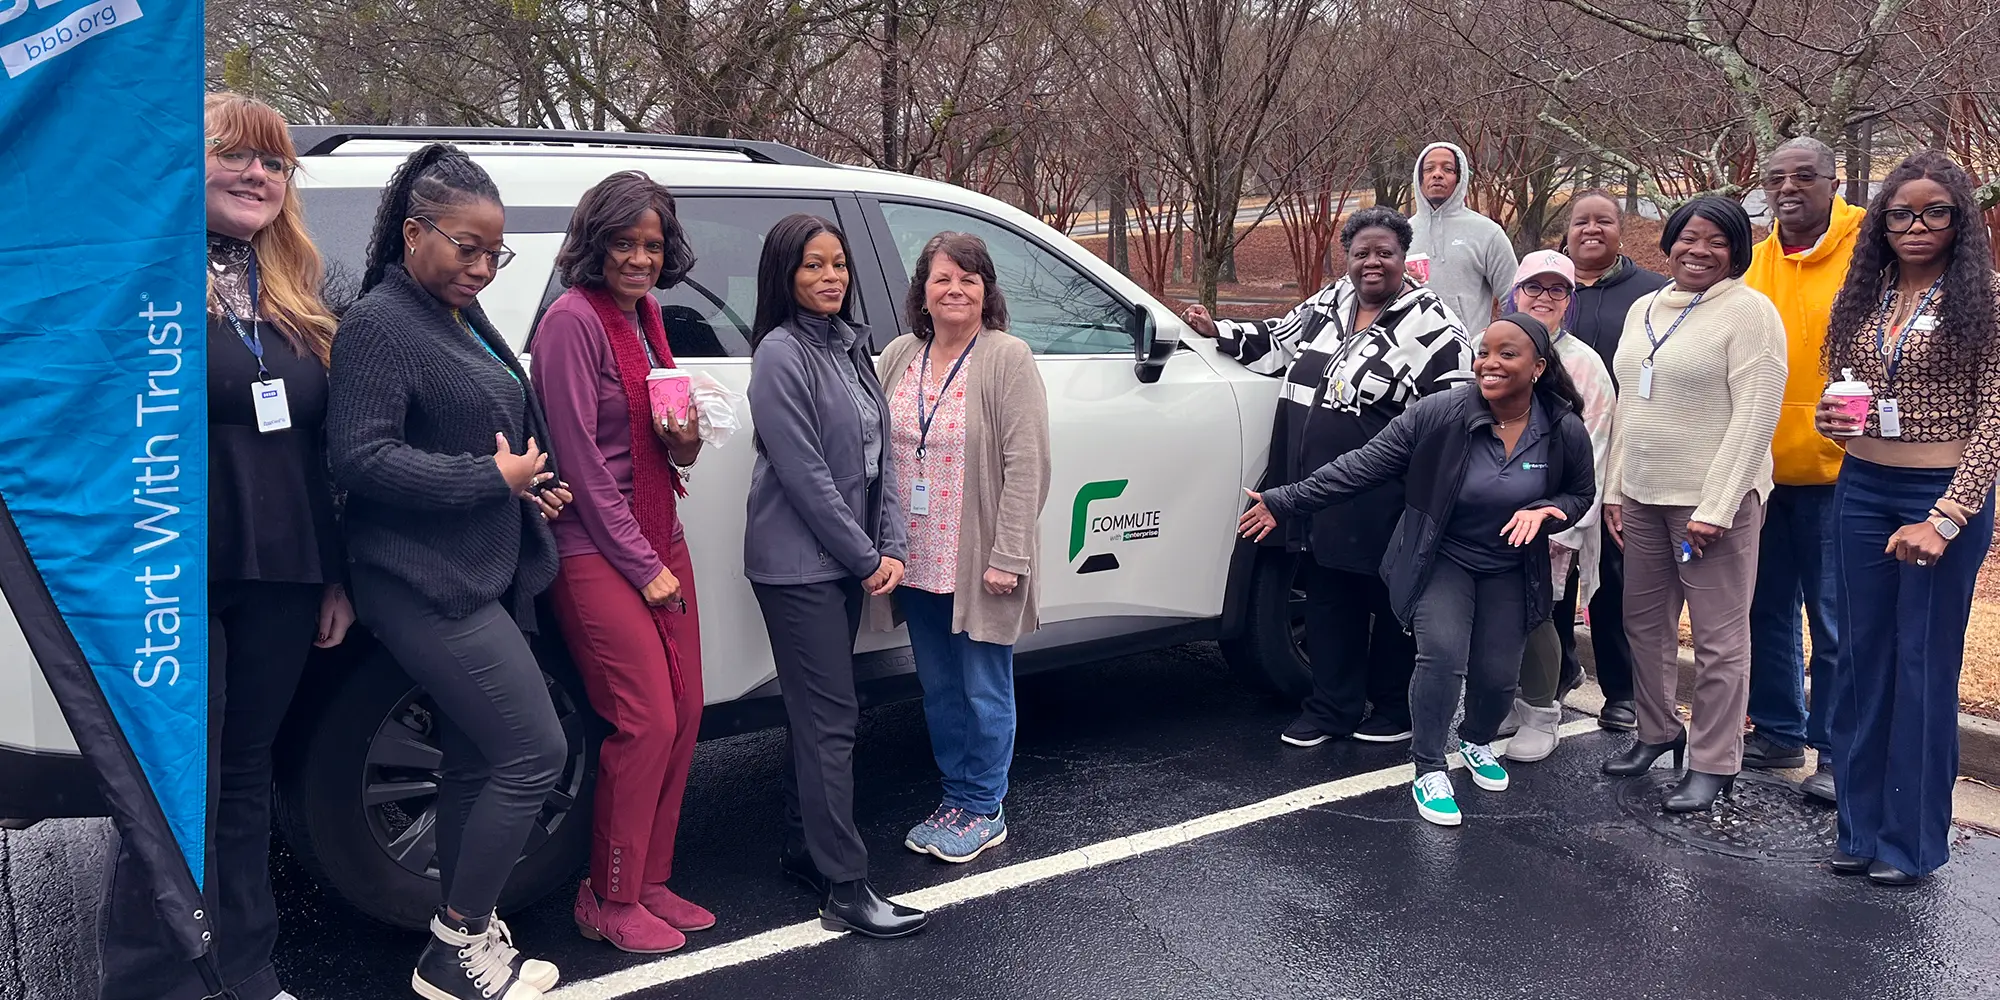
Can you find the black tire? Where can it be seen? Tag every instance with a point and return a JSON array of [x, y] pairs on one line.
[[1271, 652], [358, 802]]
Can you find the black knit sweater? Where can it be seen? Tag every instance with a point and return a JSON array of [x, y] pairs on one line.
[[414, 403]]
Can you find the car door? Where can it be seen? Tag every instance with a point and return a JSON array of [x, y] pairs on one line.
[[1138, 527]]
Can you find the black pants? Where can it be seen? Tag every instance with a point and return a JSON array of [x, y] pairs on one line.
[[503, 746], [1360, 653], [1471, 631], [812, 628], [1563, 617], [258, 635], [1607, 624]]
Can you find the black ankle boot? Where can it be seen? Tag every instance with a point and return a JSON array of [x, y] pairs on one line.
[[1844, 863], [1699, 790], [1640, 758], [796, 864], [463, 960], [856, 906], [1884, 873]]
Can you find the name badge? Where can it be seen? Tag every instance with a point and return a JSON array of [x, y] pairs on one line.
[[1924, 323], [920, 497], [1645, 380], [274, 413], [1891, 418]]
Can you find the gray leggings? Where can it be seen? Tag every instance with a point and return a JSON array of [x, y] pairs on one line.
[[503, 746]]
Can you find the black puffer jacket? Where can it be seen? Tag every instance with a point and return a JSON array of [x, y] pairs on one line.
[[1428, 447]]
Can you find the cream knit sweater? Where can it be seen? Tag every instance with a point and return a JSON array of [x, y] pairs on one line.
[[1704, 438]]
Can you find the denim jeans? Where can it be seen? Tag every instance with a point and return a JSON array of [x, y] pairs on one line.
[[968, 702], [1794, 572], [1895, 733], [1471, 632]]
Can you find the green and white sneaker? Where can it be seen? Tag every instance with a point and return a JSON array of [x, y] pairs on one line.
[[1485, 767], [1435, 801]]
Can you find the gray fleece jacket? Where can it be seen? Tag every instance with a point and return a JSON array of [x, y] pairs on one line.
[[1471, 259]]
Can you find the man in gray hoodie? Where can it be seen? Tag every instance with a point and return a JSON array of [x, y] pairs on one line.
[[1470, 260]]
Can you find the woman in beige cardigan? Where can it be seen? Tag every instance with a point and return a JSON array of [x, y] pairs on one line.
[[969, 431]]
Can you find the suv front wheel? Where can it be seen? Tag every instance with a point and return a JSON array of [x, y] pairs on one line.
[[1271, 652], [358, 805]]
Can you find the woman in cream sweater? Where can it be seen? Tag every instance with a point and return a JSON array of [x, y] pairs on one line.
[[1701, 374]]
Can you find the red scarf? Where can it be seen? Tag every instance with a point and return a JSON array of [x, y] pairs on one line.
[[656, 487]]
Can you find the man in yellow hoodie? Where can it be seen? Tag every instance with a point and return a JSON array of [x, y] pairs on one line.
[[1800, 266]]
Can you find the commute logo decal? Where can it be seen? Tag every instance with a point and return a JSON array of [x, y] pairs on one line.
[[104, 466], [1086, 527]]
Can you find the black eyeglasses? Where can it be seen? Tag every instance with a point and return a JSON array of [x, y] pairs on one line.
[[1775, 180], [1936, 218], [1537, 290], [239, 160], [467, 253]]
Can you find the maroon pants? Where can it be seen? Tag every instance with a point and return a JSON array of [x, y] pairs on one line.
[[642, 769]]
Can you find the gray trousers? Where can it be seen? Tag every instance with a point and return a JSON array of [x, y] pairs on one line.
[[1715, 587], [503, 746], [812, 628]]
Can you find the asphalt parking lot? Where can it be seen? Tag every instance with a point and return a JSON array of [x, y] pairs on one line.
[[1165, 844]]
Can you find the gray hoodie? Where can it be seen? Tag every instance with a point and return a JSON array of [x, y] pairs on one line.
[[1471, 260]]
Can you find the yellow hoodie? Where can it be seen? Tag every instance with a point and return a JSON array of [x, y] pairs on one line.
[[1803, 286]]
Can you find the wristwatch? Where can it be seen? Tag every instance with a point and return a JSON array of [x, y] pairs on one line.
[[1946, 527]]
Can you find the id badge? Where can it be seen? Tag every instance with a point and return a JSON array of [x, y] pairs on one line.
[[1925, 322], [274, 413], [1891, 418], [1645, 380], [920, 497]]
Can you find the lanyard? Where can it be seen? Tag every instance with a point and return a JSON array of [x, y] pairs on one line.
[[481, 341], [924, 420], [1892, 357], [1660, 341], [250, 337]]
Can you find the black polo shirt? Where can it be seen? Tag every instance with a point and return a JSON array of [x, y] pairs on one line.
[[1496, 485]]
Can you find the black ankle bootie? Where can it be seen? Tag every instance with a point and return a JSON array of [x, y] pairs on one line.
[[1640, 758], [856, 906]]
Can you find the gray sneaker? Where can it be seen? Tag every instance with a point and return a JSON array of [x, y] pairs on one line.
[[924, 834], [967, 835]]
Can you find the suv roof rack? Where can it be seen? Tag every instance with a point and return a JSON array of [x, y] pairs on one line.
[[318, 140]]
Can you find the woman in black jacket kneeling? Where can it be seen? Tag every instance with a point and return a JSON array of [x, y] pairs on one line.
[[1489, 471]]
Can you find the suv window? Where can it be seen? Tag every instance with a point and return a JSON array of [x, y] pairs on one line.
[[708, 315], [1051, 304], [339, 220]]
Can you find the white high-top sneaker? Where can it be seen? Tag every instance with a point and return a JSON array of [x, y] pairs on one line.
[[467, 960]]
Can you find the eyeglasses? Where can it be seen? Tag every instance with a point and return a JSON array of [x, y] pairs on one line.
[[467, 253], [1537, 290], [1775, 180], [652, 247], [1936, 218], [239, 160]]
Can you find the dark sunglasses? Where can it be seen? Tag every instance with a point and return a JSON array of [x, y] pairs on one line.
[[1937, 218], [1775, 180], [467, 253]]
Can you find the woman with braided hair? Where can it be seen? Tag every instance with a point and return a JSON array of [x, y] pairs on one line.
[[448, 542]]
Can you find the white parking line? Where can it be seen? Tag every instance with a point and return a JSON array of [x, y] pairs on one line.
[[808, 933]]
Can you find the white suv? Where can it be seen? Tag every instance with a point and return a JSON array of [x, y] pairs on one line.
[[1154, 437]]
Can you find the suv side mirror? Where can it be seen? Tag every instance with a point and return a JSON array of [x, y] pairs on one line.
[[1151, 350]]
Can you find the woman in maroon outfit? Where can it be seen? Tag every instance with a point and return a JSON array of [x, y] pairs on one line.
[[625, 596]]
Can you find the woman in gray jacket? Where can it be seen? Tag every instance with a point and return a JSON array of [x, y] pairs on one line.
[[823, 527]]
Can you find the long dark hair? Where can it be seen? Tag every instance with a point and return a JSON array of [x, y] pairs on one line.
[[969, 253], [434, 180], [777, 270], [616, 204], [1966, 312], [1555, 385]]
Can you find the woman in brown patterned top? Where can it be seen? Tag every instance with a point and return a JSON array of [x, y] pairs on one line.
[[1919, 322]]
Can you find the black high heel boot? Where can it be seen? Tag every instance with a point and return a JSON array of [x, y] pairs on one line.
[[1698, 790], [1640, 758]]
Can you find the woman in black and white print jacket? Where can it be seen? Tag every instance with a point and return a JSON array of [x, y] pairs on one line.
[[1353, 356]]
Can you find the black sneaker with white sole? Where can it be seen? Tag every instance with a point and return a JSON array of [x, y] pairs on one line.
[[465, 960], [1376, 729], [1304, 732]]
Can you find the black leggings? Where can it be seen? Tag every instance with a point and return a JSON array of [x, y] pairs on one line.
[[503, 745], [258, 635]]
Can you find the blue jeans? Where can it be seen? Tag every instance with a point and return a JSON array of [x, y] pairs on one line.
[[1895, 732], [1794, 570], [968, 702]]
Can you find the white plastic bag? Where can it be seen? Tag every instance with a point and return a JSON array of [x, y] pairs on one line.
[[717, 406]]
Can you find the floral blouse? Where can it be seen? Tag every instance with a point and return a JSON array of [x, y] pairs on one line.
[[933, 562]]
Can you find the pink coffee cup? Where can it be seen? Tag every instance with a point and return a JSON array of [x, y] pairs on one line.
[[1854, 398], [1418, 266], [670, 390]]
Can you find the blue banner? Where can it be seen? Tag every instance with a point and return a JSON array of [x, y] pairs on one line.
[[104, 458]]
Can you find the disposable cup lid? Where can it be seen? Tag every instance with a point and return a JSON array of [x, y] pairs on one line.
[[660, 373], [1849, 386]]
